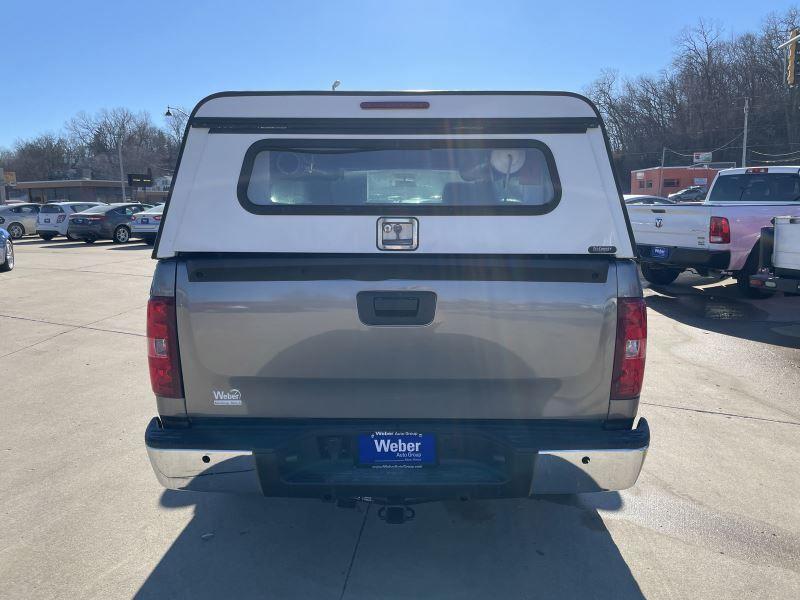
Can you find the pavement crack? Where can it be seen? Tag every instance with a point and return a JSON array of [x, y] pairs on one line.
[[71, 326], [720, 413], [355, 550]]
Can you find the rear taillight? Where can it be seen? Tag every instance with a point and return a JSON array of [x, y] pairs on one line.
[[157, 218], [719, 231], [162, 347], [629, 354], [61, 218]]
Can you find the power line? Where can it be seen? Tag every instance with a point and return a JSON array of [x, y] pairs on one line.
[[766, 154], [772, 162], [725, 145]]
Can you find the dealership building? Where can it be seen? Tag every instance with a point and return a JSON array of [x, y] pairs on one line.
[[82, 190], [661, 181]]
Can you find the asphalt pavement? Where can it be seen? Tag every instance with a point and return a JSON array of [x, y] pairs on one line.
[[714, 514]]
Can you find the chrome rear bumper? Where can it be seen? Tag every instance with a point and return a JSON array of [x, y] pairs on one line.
[[536, 471]]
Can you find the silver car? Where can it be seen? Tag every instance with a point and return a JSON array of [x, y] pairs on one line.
[[145, 224], [54, 217], [19, 219]]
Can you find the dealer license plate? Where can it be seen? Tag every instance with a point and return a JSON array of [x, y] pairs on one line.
[[398, 448]]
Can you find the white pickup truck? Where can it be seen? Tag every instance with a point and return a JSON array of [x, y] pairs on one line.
[[719, 235]]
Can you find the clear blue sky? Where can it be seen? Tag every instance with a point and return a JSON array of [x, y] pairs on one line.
[[62, 57]]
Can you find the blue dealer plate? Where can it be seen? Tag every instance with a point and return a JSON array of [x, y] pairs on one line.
[[659, 252], [396, 448], [145, 220]]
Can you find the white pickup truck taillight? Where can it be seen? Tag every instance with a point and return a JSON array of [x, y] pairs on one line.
[[719, 231], [162, 347], [629, 354]]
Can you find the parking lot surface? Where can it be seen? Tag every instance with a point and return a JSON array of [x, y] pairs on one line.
[[714, 514]]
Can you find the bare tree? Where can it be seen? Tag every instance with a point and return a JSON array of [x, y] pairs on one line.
[[47, 156], [176, 125], [695, 103]]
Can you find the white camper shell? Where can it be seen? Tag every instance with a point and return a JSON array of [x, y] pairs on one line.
[[231, 134]]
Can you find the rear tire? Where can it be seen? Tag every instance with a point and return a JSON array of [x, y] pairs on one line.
[[15, 230], [743, 277], [122, 235], [658, 275], [47, 236]]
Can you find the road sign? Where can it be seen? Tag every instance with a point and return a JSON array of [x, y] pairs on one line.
[[139, 180], [701, 157]]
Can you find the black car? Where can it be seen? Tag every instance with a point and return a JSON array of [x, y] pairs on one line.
[[6, 251], [104, 222]]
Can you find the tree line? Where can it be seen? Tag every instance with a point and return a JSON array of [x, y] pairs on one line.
[[696, 103], [92, 144]]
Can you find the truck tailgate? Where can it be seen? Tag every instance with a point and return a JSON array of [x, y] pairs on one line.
[[508, 337], [680, 225]]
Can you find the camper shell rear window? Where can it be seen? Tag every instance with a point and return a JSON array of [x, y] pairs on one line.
[[394, 176]]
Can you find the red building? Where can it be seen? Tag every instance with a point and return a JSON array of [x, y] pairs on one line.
[[662, 181]]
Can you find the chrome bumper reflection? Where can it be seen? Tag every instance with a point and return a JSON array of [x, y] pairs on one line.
[[231, 471], [576, 471]]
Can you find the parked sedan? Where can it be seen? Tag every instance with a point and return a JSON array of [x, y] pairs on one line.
[[19, 219], [53, 217], [112, 221], [6, 251], [692, 193], [145, 224]]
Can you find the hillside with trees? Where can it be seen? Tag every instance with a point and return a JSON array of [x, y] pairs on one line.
[[92, 143], [697, 102]]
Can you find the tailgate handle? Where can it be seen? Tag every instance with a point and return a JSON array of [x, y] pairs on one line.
[[658, 210], [396, 308], [400, 306]]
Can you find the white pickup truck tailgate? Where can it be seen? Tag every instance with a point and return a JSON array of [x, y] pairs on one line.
[[679, 225]]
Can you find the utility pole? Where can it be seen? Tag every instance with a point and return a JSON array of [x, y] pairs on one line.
[[661, 172], [744, 138], [121, 170]]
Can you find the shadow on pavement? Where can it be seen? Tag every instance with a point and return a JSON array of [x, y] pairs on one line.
[[35, 241], [722, 310], [132, 245], [62, 242], [253, 547]]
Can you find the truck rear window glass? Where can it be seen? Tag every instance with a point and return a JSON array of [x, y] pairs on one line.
[[482, 174], [752, 187]]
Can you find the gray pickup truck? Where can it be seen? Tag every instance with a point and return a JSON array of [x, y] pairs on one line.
[[396, 296]]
